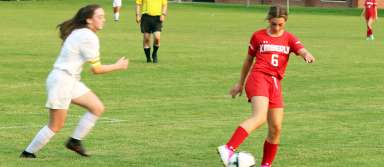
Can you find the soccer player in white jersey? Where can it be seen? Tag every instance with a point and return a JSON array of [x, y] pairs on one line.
[[116, 4], [80, 45]]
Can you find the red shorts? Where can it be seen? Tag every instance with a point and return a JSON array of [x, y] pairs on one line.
[[369, 14], [261, 84]]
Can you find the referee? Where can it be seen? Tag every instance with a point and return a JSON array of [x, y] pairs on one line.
[[151, 14]]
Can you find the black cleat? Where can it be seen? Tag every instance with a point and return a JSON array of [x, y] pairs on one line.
[[148, 56], [75, 145], [154, 59], [26, 154]]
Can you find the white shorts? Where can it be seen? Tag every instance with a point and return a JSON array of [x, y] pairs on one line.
[[62, 88], [116, 3]]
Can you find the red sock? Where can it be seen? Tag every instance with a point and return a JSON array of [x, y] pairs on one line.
[[369, 32], [237, 138], [270, 151]]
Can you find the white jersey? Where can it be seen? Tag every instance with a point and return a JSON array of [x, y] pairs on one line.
[[116, 3], [81, 46]]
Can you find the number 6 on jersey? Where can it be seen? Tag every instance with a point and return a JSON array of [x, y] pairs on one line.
[[275, 60]]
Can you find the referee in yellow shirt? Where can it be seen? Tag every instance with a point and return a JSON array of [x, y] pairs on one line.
[[151, 14]]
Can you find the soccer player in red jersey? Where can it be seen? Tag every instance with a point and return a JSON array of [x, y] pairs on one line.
[[370, 14], [271, 48]]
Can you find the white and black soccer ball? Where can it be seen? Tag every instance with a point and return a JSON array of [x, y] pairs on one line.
[[242, 159]]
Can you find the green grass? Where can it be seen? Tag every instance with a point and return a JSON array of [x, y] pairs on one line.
[[175, 113]]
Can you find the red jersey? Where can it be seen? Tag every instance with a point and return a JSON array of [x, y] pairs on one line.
[[272, 53], [370, 8]]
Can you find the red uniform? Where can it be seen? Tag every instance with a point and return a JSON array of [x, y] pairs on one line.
[[272, 54], [370, 9]]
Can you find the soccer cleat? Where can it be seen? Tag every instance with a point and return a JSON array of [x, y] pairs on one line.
[[149, 60], [154, 57], [370, 38], [265, 166], [155, 60], [225, 154], [76, 146], [26, 154]]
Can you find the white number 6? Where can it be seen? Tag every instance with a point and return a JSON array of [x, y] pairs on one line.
[[275, 60]]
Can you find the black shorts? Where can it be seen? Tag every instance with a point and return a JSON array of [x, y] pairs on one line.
[[150, 24]]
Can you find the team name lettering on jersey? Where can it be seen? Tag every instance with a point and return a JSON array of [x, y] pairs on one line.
[[274, 48], [369, 4]]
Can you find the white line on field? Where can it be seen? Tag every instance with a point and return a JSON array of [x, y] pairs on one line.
[[101, 120]]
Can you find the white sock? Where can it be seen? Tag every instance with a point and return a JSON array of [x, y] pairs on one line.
[[116, 16], [40, 140], [85, 125]]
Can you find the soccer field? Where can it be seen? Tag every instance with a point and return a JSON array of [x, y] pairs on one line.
[[175, 113]]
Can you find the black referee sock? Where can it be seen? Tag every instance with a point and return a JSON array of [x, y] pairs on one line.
[[147, 52], [154, 53]]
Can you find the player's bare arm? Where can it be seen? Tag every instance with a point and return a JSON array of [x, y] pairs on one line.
[[304, 53], [237, 89], [363, 12], [138, 13], [163, 12], [121, 64]]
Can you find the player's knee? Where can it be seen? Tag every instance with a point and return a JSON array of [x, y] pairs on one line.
[[98, 110], [254, 122], [258, 118], [147, 40], [102, 108], [275, 131], [157, 41]]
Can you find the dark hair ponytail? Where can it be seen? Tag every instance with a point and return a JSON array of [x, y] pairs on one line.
[[277, 12], [78, 21]]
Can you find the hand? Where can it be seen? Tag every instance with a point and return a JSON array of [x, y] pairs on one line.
[[138, 18], [309, 58], [162, 18], [236, 89], [122, 63]]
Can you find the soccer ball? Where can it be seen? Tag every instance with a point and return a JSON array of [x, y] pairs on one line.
[[242, 159]]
